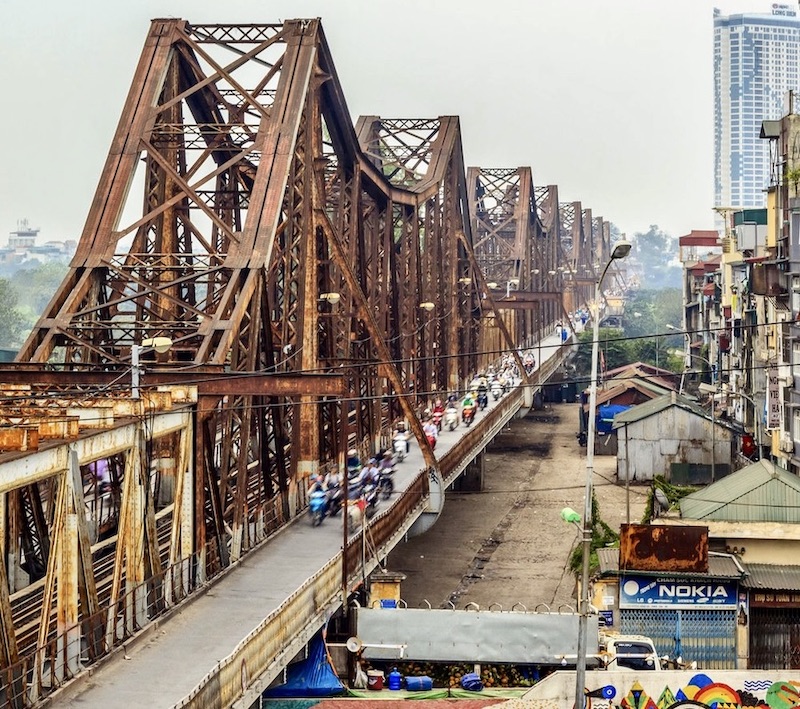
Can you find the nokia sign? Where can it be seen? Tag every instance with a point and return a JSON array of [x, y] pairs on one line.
[[641, 591]]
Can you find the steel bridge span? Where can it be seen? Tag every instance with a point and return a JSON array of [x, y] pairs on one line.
[[315, 282]]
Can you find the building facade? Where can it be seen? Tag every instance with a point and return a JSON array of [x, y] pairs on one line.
[[755, 64]]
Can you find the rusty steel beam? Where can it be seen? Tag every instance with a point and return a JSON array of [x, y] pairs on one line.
[[317, 281]]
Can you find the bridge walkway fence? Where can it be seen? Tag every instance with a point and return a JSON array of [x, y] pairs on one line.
[[231, 637]]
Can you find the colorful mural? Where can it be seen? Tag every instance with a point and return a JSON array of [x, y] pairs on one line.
[[701, 692]]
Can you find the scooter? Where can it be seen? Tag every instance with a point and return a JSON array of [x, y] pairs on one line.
[[317, 503], [386, 482], [431, 441], [483, 400], [399, 448], [371, 498], [451, 418], [497, 389], [468, 415], [335, 500]]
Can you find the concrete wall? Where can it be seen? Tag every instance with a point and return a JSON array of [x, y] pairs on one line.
[[708, 688]]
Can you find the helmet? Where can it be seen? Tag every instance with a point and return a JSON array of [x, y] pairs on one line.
[[372, 461], [352, 452]]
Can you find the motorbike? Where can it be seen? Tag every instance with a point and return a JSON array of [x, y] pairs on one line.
[[451, 418], [497, 390], [468, 415], [386, 482], [399, 448], [317, 503], [335, 500], [371, 498], [437, 419], [483, 400], [431, 441]]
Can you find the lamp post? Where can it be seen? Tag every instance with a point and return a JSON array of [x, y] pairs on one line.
[[621, 250], [159, 344]]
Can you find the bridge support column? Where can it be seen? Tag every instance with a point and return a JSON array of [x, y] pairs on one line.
[[471, 480]]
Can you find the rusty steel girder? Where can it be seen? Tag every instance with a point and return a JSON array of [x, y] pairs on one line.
[[316, 282]]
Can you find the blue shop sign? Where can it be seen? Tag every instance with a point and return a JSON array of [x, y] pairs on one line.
[[647, 592]]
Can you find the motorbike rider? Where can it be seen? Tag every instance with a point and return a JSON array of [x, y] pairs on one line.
[[438, 406], [431, 431], [386, 464], [353, 461], [370, 472], [467, 404], [317, 484], [333, 480], [401, 434]]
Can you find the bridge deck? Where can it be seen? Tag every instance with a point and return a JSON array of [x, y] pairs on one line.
[[175, 655]]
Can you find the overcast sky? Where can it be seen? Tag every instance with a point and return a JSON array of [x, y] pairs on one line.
[[611, 100]]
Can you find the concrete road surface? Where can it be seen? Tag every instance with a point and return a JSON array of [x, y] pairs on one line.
[[508, 544]]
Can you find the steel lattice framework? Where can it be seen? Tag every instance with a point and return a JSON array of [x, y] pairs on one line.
[[285, 253]]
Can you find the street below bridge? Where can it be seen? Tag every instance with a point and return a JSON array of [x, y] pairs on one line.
[[507, 543]]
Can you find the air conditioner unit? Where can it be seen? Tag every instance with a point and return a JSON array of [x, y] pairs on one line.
[[787, 444]]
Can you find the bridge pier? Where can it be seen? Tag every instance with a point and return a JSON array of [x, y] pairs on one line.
[[471, 480]]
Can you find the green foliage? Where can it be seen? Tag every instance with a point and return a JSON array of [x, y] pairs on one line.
[[674, 493], [602, 536], [657, 253], [792, 177], [12, 323], [647, 314], [35, 286], [617, 350]]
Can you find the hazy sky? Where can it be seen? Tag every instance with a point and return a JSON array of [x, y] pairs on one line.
[[611, 100]]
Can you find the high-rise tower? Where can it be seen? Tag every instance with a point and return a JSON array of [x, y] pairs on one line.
[[755, 64]]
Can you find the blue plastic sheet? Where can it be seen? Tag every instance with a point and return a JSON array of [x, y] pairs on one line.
[[312, 677]]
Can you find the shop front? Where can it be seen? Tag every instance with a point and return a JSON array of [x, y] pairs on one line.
[[688, 617], [773, 616]]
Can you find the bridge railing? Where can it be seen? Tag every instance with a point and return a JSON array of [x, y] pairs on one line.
[[69, 652]]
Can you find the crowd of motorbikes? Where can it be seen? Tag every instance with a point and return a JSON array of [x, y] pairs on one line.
[[369, 482]]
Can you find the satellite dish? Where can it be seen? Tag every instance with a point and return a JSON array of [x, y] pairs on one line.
[[661, 500], [353, 644]]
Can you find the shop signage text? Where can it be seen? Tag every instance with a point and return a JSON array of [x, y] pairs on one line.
[[639, 591]]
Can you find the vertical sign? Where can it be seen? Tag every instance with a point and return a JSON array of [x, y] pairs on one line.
[[773, 398]]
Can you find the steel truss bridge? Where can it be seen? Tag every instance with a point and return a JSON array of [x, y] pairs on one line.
[[317, 280]]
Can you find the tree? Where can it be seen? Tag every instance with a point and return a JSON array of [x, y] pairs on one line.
[[647, 314], [35, 286], [615, 348], [656, 254], [12, 324]]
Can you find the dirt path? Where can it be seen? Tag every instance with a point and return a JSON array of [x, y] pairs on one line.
[[508, 544]]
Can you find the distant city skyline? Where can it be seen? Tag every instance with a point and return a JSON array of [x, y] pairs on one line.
[[611, 101], [755, 65]]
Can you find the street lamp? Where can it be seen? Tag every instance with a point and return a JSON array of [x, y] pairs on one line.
[[621, 250], [159, 344], [511, 282]]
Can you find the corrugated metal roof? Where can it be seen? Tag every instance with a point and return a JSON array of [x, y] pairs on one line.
[[656, 406], [772, 576], [722, 566], [761, 492]]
